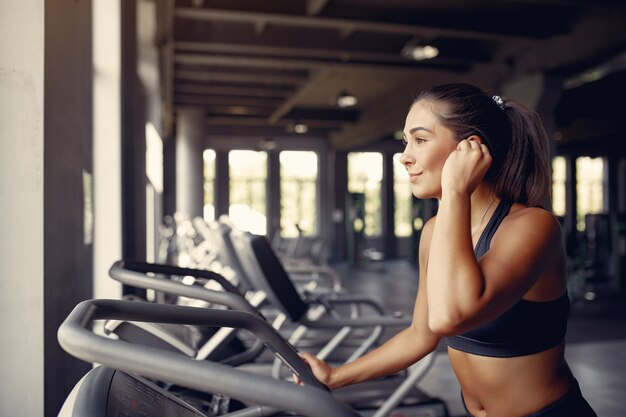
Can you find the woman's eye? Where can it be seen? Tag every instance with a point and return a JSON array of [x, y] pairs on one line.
[[417, 140]]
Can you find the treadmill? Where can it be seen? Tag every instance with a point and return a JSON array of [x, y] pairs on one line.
[[115, 388]]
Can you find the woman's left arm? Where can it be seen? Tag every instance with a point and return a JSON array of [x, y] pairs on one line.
[[464, 292]]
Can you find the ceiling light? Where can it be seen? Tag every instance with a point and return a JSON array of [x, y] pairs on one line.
[[300, 128], [420, 52], [344, 99]]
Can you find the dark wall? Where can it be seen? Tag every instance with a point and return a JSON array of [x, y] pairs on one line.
[[68, 259]]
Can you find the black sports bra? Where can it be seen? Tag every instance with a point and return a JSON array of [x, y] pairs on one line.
[[527, 327]]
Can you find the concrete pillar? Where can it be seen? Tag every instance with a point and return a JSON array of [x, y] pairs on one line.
[[222, 183], [273, 193], [46, 195], [338, 160], [133, 125], [388, 213], [107, 145], [189, 162], [21, 207]]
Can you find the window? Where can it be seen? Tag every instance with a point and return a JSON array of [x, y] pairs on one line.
[[365, 173], [248, 177], [558, 186], [298, 193], [589, 188], [403, 199], [209, 184]]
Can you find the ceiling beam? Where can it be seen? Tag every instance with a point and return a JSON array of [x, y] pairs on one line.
[[223, 110], [315, 7], [292, 63], [213, 75], [261, 131], [279, 51], [204, 99], [269, 92], [220, 15], [289, 104], [262, 121]]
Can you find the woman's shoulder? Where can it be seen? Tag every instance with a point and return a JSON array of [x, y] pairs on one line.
[[426, 235], [522, 212], [523, 219]]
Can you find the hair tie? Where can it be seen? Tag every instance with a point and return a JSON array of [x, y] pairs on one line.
[[498, 100]]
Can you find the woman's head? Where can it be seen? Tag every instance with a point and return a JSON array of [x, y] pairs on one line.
[[512, 132]]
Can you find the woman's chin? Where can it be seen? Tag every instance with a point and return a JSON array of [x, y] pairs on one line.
[[422, 193]]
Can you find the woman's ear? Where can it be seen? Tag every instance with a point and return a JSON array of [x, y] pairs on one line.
[[476, 138]]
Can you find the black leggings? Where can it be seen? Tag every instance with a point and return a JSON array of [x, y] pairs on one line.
[[572, 404]]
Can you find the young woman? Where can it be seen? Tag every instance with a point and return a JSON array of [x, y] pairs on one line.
[[491, 264]]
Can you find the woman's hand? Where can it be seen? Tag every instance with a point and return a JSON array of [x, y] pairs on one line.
[[466, 167], [322, 371]]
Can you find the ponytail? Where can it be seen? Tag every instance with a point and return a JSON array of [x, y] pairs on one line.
[[524, 175]]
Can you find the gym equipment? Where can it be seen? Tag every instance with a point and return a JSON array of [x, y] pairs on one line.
[[200, 343], [265, 270], [373, 398], [105, 392]]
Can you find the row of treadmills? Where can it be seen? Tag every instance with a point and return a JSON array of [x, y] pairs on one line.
[[228, 347]]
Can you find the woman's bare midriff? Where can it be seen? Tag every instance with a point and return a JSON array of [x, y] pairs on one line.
[[511, 387]]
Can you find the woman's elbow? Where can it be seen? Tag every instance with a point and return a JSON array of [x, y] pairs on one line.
[[442, 325]]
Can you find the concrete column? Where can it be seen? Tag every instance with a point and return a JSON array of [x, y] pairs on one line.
[[189, 163], [273, 193], [338, 187], [222, 183], [388, 214], [107, 145], [21, 207]]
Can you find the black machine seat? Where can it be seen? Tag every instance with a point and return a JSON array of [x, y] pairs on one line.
[[257, 255]]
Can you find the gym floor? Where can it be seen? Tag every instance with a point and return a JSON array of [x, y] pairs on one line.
[[596, 338]]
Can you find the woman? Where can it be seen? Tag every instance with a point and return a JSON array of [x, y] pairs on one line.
[[491, 264]]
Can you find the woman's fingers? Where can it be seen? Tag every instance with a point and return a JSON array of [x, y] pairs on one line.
[[474, 144], [463, 145]]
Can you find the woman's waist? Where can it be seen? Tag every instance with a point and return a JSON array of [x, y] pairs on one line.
[[495, 386]]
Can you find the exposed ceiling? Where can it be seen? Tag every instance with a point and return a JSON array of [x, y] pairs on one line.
[[258, 67]]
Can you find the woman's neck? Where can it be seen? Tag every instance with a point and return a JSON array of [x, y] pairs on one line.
[[483, 202]]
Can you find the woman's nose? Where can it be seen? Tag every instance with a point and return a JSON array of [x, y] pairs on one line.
[[405, 159]]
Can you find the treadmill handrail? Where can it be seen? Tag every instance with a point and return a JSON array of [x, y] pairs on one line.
[[133, 273], [312, 399], [202, 274]]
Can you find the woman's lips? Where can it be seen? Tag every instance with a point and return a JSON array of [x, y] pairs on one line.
[[413, 177]]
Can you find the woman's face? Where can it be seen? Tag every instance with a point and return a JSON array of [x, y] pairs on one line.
[[428, 145]]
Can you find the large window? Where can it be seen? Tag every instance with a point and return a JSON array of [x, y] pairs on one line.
[[403, 199], [248, 177], [558, 185], [365, 173], [209, 184], [589, 188], [298, 193]]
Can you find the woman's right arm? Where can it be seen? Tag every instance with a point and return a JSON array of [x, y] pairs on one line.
[[401, 351]]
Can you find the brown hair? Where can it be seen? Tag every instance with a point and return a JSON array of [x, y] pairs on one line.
[[513, 133]]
